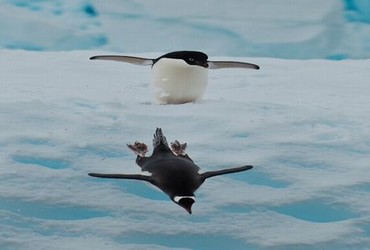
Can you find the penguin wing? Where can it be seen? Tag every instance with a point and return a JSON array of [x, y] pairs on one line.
[[225, 171], [230, 64], [123, 176], [129, 59]]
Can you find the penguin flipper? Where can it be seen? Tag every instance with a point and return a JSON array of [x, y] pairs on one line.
[[230, 64], [225, 171], [129, 59], [123, 176]]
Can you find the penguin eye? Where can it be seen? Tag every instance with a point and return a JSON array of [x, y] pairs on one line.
[[191, 59]]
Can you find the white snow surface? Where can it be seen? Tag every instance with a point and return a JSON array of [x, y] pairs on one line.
[[304, 125]]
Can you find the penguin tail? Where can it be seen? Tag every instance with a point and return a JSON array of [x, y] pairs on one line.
[[159, 138]]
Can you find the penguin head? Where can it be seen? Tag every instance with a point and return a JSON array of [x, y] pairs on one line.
[[196, 58], [185, 202]]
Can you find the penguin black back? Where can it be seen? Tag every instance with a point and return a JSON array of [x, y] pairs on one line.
[[175, 175]]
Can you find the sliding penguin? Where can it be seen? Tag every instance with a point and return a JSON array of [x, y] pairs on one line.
[[172, 171], [180, 76]]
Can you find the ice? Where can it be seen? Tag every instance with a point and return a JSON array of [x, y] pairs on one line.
[[299, 29], [358, 10], [303, 124]]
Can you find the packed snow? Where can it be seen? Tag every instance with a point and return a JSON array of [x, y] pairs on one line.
[[303, 124]]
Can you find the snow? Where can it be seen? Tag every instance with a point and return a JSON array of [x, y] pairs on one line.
[[304, 125], [296, 29]]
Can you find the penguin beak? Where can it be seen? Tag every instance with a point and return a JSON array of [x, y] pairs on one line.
[[189, 210], [202, 64], [186, 203]]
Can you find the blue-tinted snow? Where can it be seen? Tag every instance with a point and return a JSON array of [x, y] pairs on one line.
[[301, 29], [303, 124]]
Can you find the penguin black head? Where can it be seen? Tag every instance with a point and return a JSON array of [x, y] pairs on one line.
[[190, 57], [185, 202]]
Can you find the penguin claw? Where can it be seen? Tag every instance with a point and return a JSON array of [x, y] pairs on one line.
[[138, 148], [178, 148]]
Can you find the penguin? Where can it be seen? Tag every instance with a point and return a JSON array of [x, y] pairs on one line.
[[181, 76], [171, 169]]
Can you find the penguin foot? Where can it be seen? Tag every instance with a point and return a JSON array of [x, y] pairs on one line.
[[178, 148], [138, 148]]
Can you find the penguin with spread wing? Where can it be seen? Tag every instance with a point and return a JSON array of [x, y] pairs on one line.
[[180, 76], [171, 169]]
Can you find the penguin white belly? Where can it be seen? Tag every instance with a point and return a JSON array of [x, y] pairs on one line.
[[177, 82]]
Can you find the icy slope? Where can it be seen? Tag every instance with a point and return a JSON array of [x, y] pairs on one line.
[[282, 28], [305, 126]]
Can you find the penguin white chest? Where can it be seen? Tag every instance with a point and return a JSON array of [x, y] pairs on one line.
[[177, 82]]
